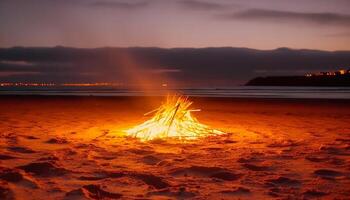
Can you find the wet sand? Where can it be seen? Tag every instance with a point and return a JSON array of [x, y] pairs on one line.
[[74, 148]]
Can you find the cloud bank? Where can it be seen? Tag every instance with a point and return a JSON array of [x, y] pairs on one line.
[[197, 67], [128, 5], [202, 5], [289, 16]]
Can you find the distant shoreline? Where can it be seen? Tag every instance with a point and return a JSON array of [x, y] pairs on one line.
[[304, 81]]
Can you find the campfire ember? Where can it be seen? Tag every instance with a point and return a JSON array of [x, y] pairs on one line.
[[172, 119]]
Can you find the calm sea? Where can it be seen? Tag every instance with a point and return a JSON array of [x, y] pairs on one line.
[[239, 91]]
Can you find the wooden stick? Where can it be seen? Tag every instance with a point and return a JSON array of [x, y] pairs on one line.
[[172, 119]]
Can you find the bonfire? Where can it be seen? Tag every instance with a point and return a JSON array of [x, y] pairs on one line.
[[172, 119]]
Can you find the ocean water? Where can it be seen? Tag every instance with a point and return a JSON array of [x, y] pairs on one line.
[[239, 91]]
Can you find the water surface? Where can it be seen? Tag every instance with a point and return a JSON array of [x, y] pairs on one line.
[[238, 91]]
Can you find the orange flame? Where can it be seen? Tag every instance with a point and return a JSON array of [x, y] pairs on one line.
[[172, 119]]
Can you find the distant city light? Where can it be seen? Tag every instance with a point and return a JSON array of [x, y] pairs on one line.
[[330, 73], [21, 84]]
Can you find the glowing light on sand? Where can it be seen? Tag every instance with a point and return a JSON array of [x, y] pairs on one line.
[[172, 119]]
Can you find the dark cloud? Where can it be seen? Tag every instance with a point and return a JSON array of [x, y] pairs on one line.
[[203, 5], [290, 16], [195, 66], [128, 5]]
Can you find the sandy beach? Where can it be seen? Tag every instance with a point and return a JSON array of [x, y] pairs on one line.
[[75, 148]]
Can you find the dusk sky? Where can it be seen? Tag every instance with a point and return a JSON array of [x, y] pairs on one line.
[[259, 24], [89, 40]]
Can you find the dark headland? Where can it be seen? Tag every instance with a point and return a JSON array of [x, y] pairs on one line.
[[340, 78]]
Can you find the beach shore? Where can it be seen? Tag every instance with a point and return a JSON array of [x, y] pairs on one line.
[[75, 148]]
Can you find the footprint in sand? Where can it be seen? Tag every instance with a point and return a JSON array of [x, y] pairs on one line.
[[57, 141], [151, 180], [243, 159], [44, 169], [30, 137], [20, 150], [181, 193], [49, 158], [6, 157], [239, 191], [10, 175], [16, 176], [103, 175], [326, 159], [254, 167], [150, 160], [314, 194], [282, 181], [314, 158], [328, 174], [336, 149], [92, 192], [210, 172]]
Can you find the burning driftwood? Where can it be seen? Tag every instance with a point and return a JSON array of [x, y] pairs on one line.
[[172, 119]]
